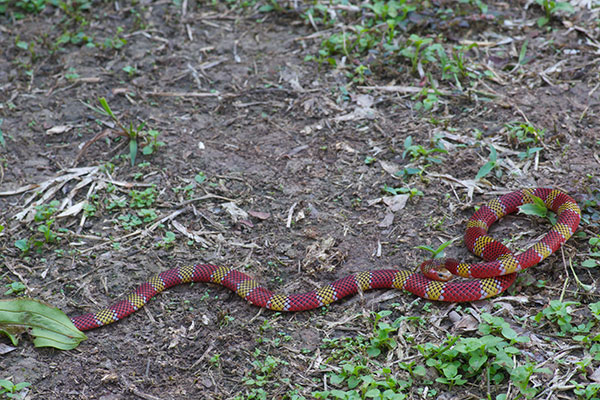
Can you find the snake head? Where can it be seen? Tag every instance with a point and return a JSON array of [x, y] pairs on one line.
[[438, 269]]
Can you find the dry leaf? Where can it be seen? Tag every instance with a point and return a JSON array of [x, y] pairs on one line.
[[246, 222], [357, 114], [4, 348], [390, 168], [235, 212], [259, 214], [195, 236], [322, 255], [73, 210], [397, 202], [466, 323], [300, 216], [364, 100], [58, 129], [372, 202], [387, 220], [345, 147]]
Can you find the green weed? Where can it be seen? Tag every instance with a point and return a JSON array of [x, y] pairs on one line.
[[261, 375], [427, 99], [8, 390], [524, 133], [490, 355], [215, 360], [552, 8], [115, 42], [44, 212], [144, 198], [412, 192], [153, 144], [594, 256], [407, 172], [417, 151], [15, 288], [167, 241], [561, 313], [437, 252], [130, 71], [490, 165], [420, 50], [133, 132], [590, 391]]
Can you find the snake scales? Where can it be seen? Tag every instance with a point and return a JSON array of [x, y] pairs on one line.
[[494, 275]]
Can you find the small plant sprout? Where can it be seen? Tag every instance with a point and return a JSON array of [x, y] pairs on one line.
[[153, 144], [552, 8], [132, 132], [438, 252], [490, 165], [13, 391], [15, 288], [417, 151]]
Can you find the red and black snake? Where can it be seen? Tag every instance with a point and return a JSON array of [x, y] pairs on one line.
[[494, 275]]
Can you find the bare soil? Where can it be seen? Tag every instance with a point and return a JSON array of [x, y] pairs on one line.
[[286, 140]]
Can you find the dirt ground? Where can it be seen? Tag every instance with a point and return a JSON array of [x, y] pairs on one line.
[[303, 153]]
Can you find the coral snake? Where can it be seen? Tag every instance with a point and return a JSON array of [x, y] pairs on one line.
[[494, 275]]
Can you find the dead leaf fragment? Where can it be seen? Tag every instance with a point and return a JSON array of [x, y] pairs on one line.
[[72, 210], [387, 220], [466, 323], [246, 222], [259, 214], [4, 348], [195, 236], [322, 256], [365, 100], [235, 212], [357, 114], [55, 130], [300, 216], [344, 146], [397, 202], [372, 202], [389, 167]]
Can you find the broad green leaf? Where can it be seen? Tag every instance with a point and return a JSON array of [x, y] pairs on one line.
[[509, 332], [450, 370], [485, 169], [493, 154], [477, 360], [420, 370], [147, 150], [106, 107], [132, 150], [564, 6], [373, 351], [373, 394], [49, 326], [489, 166], [336, 379], [523, 52], [537, 208], [589, 263], [533, 209], [22, 244]]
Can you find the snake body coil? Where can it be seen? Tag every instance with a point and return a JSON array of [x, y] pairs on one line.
[[494, 275]]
